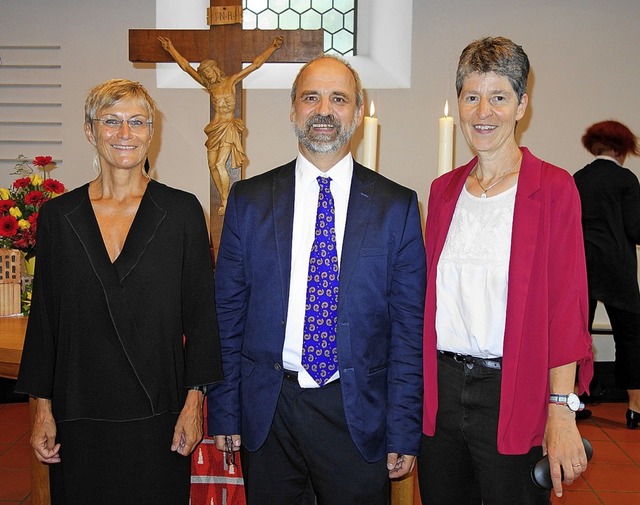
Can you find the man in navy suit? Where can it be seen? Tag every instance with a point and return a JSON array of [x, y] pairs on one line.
[[346, 437]]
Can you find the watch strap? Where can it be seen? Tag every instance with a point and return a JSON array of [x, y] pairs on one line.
[[559, 399]]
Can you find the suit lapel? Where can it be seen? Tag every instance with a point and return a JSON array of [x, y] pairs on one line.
[[283, 203], [361, 196]]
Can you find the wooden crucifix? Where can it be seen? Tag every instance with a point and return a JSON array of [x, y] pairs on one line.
[[229, 46]]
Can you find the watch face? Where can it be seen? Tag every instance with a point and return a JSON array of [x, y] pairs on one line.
[[573, 402]]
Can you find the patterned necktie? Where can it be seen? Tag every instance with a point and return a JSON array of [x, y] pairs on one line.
[[319, 348]]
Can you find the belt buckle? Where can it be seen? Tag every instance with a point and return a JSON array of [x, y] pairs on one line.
[[467, 360]]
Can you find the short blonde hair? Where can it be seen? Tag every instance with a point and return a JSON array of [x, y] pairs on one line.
[[113, 91]]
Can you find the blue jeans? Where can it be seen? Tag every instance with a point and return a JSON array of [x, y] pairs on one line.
[[460, 463]]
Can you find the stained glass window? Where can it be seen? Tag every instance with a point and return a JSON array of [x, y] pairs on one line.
[[336, 17]]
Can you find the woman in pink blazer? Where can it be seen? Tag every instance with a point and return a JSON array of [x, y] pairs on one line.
[[506, 304]]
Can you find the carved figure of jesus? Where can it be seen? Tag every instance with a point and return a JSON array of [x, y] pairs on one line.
[[224, 131]]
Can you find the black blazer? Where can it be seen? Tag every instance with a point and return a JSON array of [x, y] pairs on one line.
[[122, 340], [610, 196]]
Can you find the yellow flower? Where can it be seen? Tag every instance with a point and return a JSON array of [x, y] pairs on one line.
[[36, 180], [24, 224], [4, 194], [15, 212]]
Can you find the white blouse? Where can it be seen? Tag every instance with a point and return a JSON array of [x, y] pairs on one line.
[[473, 274]]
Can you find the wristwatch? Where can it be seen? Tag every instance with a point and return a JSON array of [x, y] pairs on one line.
[[202, 389], [571, 400]]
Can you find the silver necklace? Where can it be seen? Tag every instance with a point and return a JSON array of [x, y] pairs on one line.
[[485, 190]]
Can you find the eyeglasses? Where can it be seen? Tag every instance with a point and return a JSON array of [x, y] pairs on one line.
[[111, 123]]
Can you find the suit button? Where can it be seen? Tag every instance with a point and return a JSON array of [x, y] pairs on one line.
[[277, 366]]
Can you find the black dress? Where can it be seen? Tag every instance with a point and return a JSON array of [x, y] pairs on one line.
[[115, 345]]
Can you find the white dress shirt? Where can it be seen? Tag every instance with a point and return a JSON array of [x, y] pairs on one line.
[[304, 221]]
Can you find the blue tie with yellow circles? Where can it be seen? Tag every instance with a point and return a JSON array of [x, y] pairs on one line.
[[319, 348]]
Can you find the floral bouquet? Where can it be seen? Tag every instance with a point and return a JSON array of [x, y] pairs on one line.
[[19, 208], [21, 202]]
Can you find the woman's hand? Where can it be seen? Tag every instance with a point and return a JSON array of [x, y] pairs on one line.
[[43, 433], [188, 432], [563, 444]]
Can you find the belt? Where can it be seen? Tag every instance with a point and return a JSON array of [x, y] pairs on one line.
[[495, 363], [290, 375]]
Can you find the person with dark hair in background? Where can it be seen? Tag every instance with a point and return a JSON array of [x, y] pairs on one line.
[[122, 337], [506, 304], [610, 196]]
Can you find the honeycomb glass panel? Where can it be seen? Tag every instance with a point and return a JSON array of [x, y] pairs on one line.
[[333, 21], [290, 20], [267, 20], [322, 6], [342, 42], [311, 20], [349, 24], [249, 20], [279, 6], [256, 6], [343, 6], [301, 6], [335, 17]]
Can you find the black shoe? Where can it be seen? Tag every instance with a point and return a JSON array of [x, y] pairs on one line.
[[632, 419], [583, 414]]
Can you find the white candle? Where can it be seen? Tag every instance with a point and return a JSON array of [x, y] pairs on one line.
[[370, 139], [445, 142]]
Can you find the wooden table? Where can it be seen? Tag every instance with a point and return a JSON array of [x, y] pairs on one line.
[[12, 330]]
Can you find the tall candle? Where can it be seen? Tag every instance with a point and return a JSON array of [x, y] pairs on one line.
[[370, 139], [445, 142]]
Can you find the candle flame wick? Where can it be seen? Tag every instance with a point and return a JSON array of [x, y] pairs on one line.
[[372, 109], [446, 108]]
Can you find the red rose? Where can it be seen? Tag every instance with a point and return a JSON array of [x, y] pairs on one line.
[[42, 161], [5, 205], [8, 226], [34, 198], [22, 183], [53, 186]]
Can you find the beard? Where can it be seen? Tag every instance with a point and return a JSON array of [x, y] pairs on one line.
[[324, 142]]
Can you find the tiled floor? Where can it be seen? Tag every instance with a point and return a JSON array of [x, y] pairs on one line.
[[613, 476], [15, 454]]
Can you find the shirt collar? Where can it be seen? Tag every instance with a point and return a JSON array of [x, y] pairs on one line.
[[609, 158], [340, 173]]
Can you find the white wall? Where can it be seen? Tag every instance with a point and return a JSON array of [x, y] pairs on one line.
[[585, 68]]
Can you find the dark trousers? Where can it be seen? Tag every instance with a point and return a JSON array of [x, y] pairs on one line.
[[625, 327], [460, 464], [309, 443]]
